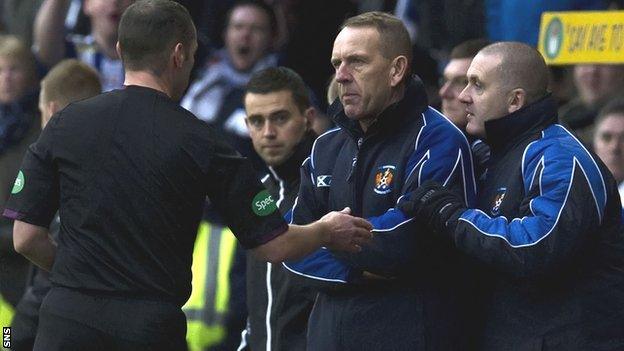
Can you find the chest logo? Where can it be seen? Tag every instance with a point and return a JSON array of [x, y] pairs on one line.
[[384, 179], [323, 181], [498, 201]]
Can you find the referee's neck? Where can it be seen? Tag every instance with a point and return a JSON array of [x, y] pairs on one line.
[[148, 80]]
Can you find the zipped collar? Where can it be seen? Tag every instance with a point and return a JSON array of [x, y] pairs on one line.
[[508, 130], [414, 101]]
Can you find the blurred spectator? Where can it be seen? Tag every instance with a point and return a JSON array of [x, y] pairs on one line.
[[209, 17], [609, 139], [18, 17], [216, 96], [519, 20], [19, 127], [69, 81], [455, 80], [595, 85], [98, 49]]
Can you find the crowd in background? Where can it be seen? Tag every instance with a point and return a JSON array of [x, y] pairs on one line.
[[238, 38]]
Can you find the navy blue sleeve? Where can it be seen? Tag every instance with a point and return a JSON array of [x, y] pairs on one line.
[[566, 198], [320, 266]]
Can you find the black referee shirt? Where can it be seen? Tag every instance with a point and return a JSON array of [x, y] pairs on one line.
[[129, 171]]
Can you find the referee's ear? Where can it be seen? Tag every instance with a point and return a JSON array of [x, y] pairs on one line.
[[118, 49], [179, 55]]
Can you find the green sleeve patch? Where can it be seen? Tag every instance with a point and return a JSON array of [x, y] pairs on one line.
[[19, 183], [263, 204]]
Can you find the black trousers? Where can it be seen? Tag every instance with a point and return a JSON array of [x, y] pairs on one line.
[[116, 324], [383, 318]]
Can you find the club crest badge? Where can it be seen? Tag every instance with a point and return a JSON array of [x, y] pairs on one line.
[[498, 201], [384, 179]]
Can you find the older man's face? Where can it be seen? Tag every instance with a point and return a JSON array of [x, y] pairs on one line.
[[362, 73]]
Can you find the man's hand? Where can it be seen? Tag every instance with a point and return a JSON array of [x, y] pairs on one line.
[[345, 232], [438, 207], [336, 230]]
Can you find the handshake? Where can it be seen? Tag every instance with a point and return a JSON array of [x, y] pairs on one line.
[[431, 203]]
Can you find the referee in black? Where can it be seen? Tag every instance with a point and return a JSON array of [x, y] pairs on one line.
[[129, 171]]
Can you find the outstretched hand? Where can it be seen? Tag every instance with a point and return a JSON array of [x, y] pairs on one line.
[[346, 232]]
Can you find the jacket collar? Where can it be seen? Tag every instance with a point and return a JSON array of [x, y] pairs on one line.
[[289, 170], [414, 101], [510, 129]]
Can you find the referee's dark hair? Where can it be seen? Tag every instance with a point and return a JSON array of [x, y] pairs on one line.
[[149, 30], [274, 79]]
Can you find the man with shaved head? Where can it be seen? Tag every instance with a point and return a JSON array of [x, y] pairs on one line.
[[547, 230]]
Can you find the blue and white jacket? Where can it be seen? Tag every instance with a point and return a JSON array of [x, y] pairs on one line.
[[370, 172], [548, 231]]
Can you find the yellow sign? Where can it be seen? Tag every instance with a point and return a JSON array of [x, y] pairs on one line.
[[582, 37]]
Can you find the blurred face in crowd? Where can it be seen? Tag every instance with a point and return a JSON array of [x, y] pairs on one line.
[[247, 36], [454, 82], [15, 79], [363, 74], [609, 143], [485, 96], [105, 16], [276, 125], [595, 83]]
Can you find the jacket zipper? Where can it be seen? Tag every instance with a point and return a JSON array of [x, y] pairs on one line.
[[353, 179]]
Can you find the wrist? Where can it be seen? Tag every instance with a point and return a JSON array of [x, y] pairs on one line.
[[323, 233]]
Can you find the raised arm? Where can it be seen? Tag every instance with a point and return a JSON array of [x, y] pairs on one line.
[[49, 31]]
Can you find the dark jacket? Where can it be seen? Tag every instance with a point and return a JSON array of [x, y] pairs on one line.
[[369, 172], [549, 235], [269, 284]]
